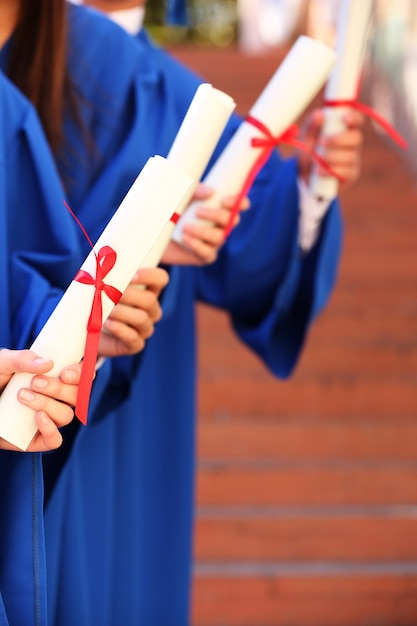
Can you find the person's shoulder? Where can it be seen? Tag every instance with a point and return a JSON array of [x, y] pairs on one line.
[[9, 93], [20, 126], [15, 108], [102, 57], [172, 71]]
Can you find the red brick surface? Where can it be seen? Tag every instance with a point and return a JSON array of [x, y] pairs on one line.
[[318, 472]]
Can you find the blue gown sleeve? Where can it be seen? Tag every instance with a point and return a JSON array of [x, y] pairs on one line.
[[272, 291], [39, 251], [37, 258]]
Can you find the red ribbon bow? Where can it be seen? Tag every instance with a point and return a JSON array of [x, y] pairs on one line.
[[105, 260], [268, 143], [370, 112]]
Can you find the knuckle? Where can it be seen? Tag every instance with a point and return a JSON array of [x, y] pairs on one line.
[[158, 314]]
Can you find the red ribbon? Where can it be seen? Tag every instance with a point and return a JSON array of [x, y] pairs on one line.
[[369, 112], [268, 143], [105, 260]]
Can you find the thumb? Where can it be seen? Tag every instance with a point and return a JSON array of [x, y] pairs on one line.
[[310, 134], [312, 127], [12, 361], [202, 192]]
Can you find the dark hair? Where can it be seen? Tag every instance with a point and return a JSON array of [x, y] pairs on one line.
[[37, 62]]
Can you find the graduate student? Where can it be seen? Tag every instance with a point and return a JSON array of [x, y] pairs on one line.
[[30, 281], [39, 254], [119, 520]]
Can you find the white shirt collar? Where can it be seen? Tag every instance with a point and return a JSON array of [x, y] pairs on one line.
[[129, 19]]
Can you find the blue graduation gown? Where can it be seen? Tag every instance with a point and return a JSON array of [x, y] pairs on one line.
[[119, 520], [39, 253], [37, 256]]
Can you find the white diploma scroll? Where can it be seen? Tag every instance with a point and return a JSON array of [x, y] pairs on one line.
[[147, 207], [192, 149], [352, 30], [296, 82]]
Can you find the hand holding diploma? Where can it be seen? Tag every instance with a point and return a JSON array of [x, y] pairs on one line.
[[51, 398], [341, 151], [203, 238], [342, 89], [74, 326], [191, 150], [133, 319], [298, 79]]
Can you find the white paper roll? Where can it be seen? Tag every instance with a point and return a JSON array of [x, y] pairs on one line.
[[298, 79], [192, 149], [147, 207], [351, 36]]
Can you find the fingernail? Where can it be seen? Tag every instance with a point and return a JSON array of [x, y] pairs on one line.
[[204, 190], [42, 417], [70, 375], [26, 394], [41, 361], [40, 381]]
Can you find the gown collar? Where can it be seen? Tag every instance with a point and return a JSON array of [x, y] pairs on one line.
[[129, 19]]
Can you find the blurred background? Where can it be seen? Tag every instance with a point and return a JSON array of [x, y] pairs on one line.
[[307, 488]]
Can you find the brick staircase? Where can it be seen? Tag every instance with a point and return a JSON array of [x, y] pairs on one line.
[[307, 489]]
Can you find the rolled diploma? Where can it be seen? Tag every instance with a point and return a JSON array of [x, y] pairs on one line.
[[134, 227], [351, 35], [192, 149], [298, 79]]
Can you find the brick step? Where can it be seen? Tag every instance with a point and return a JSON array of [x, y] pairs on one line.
[[381, 206], [387, 243], [385, 359], [372, 322], [328, 362], [359, 316], [269, 483], [367, 305], [247, 396], [375, 357], [265, 439], [385, 336], [390, 237], [306, 533], [316, 596], [367, 265], [366, 300], [341, 321], [356, 323], [376, 223]]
